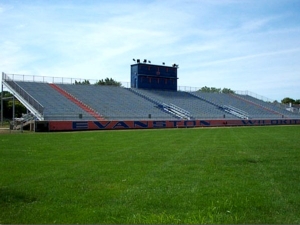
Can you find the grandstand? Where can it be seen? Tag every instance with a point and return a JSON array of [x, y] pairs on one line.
[[58, 101]]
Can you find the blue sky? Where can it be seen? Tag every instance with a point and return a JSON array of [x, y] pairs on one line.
[[249, 45]]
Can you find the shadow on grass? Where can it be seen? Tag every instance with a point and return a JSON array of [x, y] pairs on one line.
[[8, 196]]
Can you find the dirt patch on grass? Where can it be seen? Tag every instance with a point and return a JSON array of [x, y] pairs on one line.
[[8, 131], [4, 130]]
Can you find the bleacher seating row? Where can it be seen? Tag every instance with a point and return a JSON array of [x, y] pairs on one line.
[[118, 103], [56, 107]]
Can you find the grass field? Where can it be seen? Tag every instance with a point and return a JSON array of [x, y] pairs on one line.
[[210, 175]]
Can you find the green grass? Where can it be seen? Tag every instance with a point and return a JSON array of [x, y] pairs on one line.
[[211, 175]]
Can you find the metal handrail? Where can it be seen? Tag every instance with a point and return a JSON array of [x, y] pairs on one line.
[[31, 100]]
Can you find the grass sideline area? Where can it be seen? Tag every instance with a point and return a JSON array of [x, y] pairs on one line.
[[168, 176]]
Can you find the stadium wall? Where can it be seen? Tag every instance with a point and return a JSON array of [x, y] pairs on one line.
[[150, 124]]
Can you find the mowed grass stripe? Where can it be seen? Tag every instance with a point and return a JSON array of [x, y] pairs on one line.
[[219, 175]]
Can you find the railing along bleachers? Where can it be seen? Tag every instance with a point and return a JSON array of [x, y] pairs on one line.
[[36, 108], [56, 106]]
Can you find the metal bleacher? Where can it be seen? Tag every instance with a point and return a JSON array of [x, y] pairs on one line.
[[197, 108], [119, 103], [116, 103], [56, 106], [276, 107], [253, 110]]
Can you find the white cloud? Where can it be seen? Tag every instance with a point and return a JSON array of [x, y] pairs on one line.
[[216, 43], [247, 57]]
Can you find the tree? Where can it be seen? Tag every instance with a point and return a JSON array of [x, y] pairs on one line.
[[216, 90], [82, 82], [297, 102], [8, 106], [19, 109], [204, 89], [108, 81], [227, 91], [210, 89], [288, 100]]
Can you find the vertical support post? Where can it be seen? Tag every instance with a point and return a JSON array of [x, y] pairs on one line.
[[2, 99], [13, 112]]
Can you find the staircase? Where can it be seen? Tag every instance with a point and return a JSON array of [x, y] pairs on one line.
[[77, 102], [158, 104], [24, 121], [177, 111], [235, 111]]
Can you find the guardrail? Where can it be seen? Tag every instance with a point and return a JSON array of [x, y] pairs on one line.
[[26, 96], [177, 111], [238, 112]]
